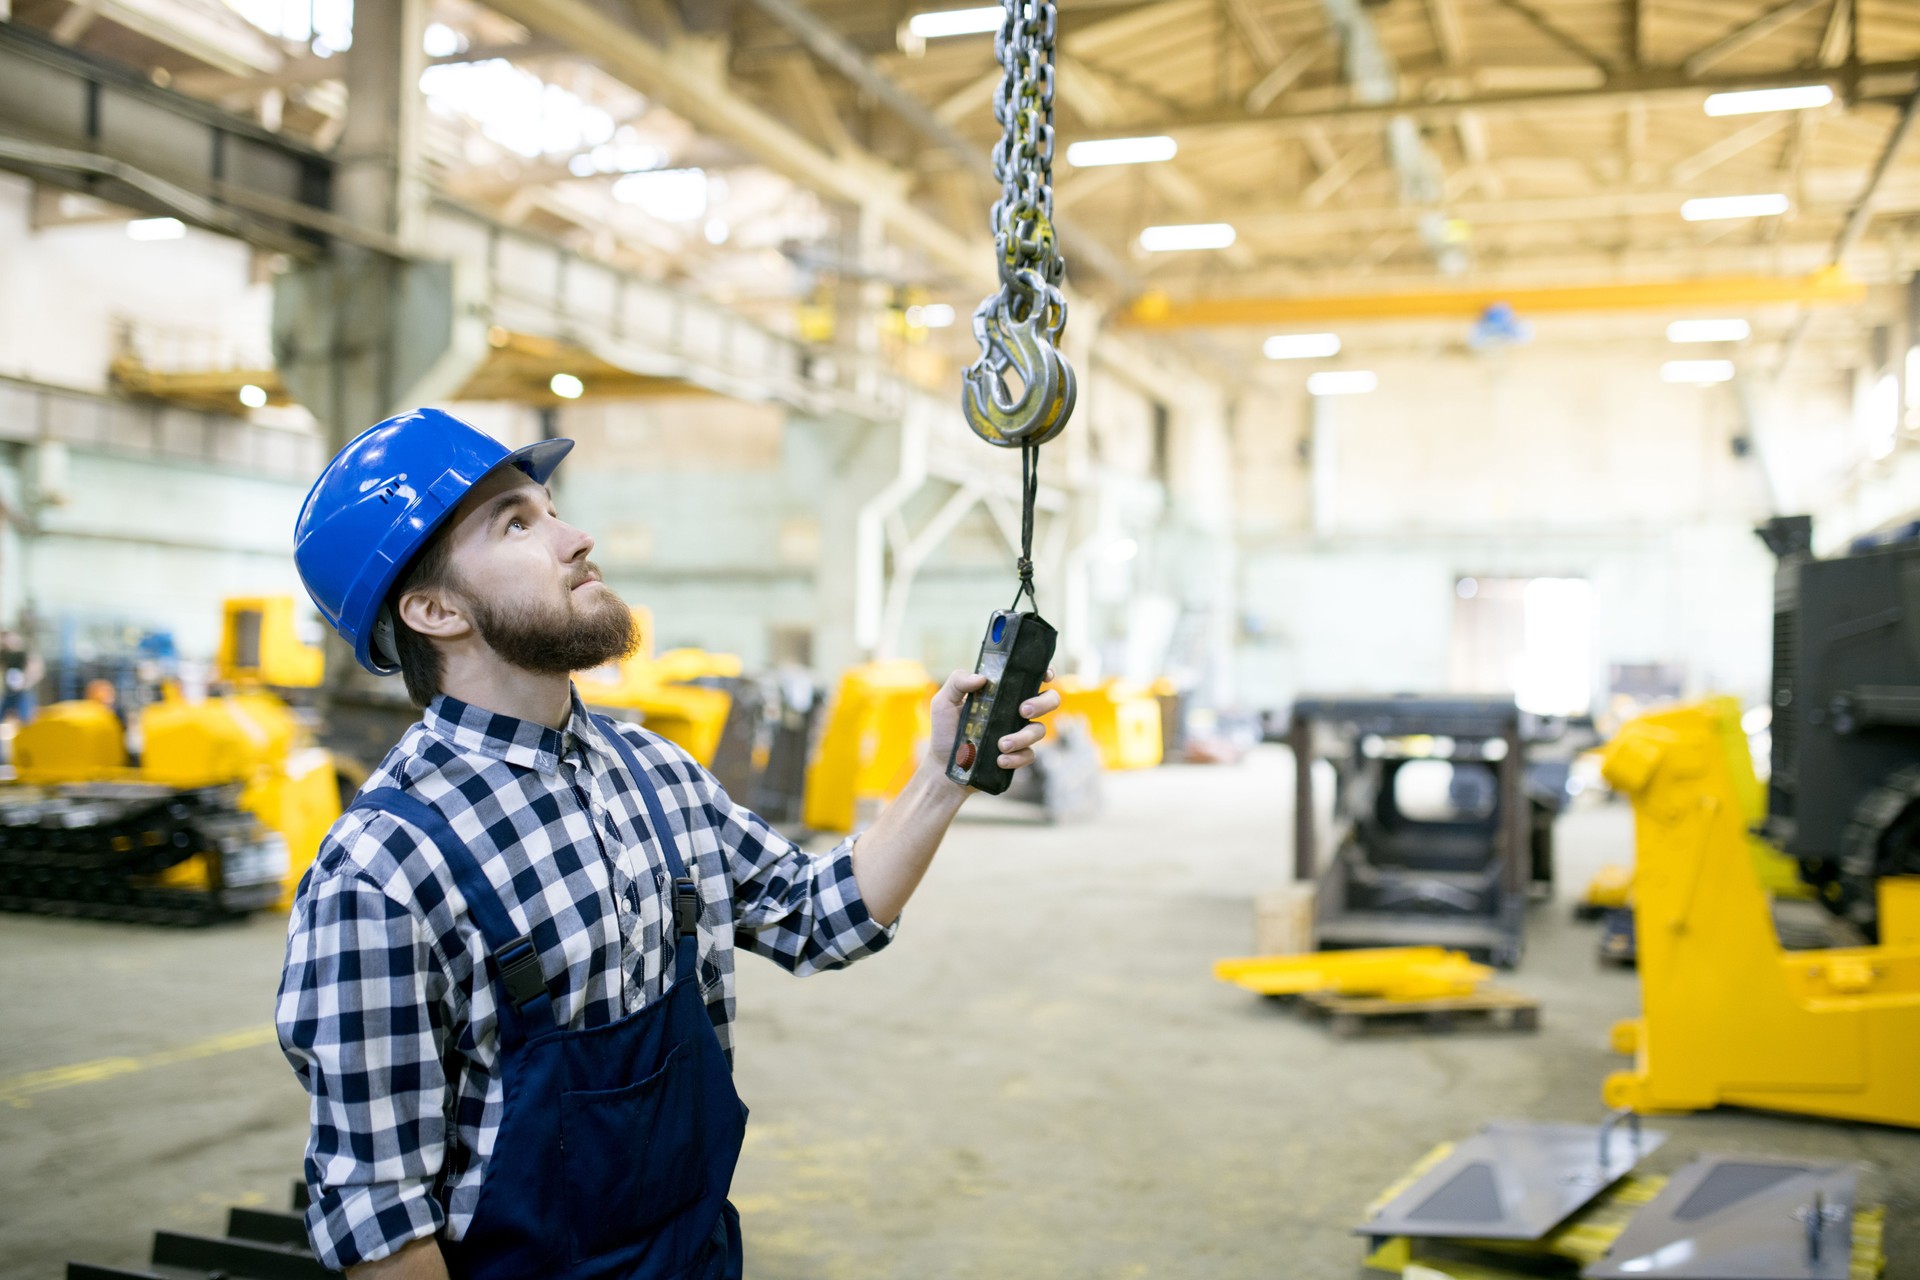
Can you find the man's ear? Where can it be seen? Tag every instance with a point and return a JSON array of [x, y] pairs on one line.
[[435, 612]]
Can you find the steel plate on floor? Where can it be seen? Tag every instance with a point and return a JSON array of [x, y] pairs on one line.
[[1513, 1180], [1740, 1218]]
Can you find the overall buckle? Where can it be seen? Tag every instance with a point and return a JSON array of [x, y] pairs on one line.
[[686, 908], [520, 971]]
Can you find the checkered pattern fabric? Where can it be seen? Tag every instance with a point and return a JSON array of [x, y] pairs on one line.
[[385, 1008]]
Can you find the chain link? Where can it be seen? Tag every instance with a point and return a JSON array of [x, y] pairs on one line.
[[1019, 326], [1022, 219]]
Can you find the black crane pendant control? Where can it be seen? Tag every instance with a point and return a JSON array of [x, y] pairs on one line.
[[1014, 658]]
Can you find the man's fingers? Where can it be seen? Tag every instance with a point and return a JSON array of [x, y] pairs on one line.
[[962, 683], [1024, 739], [1018, 760], [1043, 704]]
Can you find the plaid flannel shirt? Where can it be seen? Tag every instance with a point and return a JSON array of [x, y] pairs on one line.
[[385, 1008]]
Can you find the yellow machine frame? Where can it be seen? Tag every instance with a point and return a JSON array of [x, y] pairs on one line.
[[259, 644], [1391, 973], [691, 716], [1122, 715], [880, 720], [1729, 1017]]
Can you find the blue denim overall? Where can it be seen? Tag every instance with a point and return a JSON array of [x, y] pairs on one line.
[[617, 1143]]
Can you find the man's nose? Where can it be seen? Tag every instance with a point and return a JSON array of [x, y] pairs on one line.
[[576, 544]]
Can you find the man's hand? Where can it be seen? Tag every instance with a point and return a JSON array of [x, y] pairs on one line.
[[1016, 749], [416, 1260], [890, 858]]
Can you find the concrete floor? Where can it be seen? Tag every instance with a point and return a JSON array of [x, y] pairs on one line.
[[1040, 1079]]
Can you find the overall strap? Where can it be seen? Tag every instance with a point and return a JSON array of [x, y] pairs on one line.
[[515, 959], [686, 893]]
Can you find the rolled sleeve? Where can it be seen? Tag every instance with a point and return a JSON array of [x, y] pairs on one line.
[[804, 913], [359, 1018]]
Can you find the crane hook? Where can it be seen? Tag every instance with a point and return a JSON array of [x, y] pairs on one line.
[[1047, 384]]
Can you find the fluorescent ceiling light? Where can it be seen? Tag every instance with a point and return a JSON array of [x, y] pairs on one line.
[[566, 386], [956, 22], [1301, 346], [1085, 155], [934, 315], [1698, 372], [671, 195], [156, 229], [1709, 331], [1342, 382], [442, 41], [1715, 207], [1196, 235], [253, 397], [1750, 101]]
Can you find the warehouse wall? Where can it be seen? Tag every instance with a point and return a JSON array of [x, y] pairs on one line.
[[142, 517], [1559, 463], [67, 286]]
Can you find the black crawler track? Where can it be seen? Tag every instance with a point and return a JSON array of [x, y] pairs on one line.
[[98, 850]]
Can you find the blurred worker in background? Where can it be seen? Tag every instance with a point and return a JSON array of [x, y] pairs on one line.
[[509, 981], [20, 669]]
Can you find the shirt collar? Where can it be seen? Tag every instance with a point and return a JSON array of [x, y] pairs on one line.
[[525, 743]]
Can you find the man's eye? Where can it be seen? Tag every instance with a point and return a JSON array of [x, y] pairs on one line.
[[516, 521]]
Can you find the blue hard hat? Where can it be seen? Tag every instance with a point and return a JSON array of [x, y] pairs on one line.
[[376, 505]]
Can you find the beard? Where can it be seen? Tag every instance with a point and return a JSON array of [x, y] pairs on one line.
[[558, 639]]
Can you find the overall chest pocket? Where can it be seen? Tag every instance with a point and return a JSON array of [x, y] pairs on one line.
[[631, 1156]]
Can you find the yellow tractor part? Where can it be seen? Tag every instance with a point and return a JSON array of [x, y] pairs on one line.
[[1389, 973], [300, 799], [877, 725], [253, 739], [71, 742], [1610, 888], [1123, 717], [259, 644], [689, 715], [250, 738], [1727, 1016]]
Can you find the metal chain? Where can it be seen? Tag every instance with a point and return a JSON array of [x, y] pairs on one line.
[[1019, 326], [1022, 219]]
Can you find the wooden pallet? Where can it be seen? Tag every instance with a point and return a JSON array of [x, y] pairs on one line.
[[1490, 1008]]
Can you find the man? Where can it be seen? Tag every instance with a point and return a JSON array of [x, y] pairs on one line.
[[22, 670], [509, 976]]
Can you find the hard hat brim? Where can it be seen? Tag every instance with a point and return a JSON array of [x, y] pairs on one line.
[[538, 461]]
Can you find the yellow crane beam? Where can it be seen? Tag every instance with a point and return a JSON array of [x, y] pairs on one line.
[[1830, 287]]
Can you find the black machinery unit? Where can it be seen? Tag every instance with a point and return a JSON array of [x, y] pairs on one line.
[[1455, 875], [1844, 797]]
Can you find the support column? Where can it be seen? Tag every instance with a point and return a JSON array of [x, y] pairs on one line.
[[361, 333], [380, 183]]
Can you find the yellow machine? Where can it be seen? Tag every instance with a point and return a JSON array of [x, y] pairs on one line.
[[80, 741], [879, 722], [1123, 717], [1391, 973], [254, 739], [1728, 1016], [691, 716], [1610, 889], [1612, 885], [259, 645], [249, 737]]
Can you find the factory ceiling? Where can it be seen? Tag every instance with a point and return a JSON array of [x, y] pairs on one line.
[[767, 150]]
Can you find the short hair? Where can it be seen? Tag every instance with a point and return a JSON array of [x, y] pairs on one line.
[[421, 665]]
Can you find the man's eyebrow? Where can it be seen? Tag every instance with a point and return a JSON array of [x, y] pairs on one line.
[[505, 502]]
